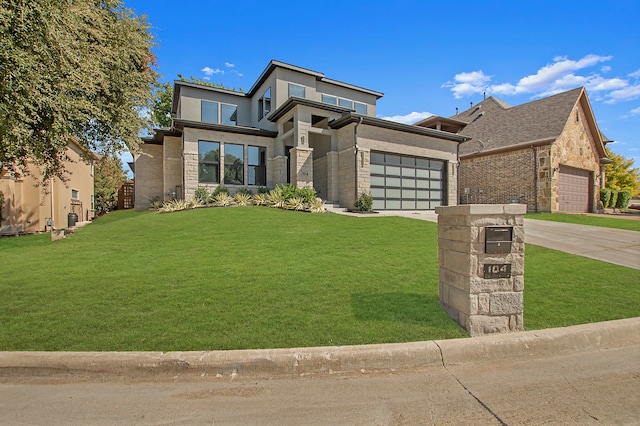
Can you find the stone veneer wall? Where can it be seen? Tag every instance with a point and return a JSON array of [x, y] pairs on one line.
[[500, 178], [575, 147], [480, 305], [320, 181]]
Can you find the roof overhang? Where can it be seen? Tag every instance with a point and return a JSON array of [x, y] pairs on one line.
[[158, 135], [182, 124], [350, 118], [273, 65], [524, 145], [179, 84]]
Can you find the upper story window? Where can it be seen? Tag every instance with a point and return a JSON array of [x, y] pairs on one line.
[[296, 90], [74, 194], [328, 99], [264, 104], [359, 107], [220, 113]]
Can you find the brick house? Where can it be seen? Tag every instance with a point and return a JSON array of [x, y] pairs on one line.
[[29, 208], [296, 126], [548, 154]]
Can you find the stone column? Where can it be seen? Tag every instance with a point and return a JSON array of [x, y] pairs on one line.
[[481, 262], [301, 166]]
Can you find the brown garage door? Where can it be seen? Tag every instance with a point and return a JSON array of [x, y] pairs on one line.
[[574, 190]]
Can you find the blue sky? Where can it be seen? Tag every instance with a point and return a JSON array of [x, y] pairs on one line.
[[427, 57]]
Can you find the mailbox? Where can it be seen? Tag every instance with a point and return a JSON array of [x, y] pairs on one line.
[[498, 239]]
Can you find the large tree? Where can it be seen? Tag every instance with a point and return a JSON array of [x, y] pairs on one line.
[[108, 176], [71, 68], [621, 174]]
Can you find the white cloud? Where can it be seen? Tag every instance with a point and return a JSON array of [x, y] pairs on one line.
[[560, 75], [628, 93], [229, 65], [208, 71], [468, 83], [412, 117], [635, 111]]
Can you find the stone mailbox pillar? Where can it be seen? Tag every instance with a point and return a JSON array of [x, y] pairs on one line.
[[481, 259]]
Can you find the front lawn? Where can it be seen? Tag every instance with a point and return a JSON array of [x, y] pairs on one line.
[[628, 224], [253, 277]]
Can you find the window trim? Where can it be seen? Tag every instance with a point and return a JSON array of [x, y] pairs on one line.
[[219, 112], [263, 109], [304, 90]]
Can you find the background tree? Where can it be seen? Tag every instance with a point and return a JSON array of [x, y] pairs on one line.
[[161, 108], [621, 175], [71, 68], [108, 176]]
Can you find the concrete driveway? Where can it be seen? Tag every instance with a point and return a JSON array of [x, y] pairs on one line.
[[606, 244]]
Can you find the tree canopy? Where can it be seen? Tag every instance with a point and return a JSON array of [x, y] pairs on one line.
[[78, 69], [108, 177], [621, 175]]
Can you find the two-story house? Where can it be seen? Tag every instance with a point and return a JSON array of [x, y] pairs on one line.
[[296, 126]]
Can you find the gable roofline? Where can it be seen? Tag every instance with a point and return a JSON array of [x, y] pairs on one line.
[[274, 64], [593, 124], [433, 119]]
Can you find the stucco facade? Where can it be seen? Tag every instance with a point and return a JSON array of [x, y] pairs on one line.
[[29, 206], [295, 126]]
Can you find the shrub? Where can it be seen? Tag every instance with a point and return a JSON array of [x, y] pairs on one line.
[[245, 191], [624, 197], [295, 203], [202, 195], [317, 206], [175, 205], [605, 196], [261, 199], [222, 199], [219, 190], [308, 194], [276, 198], [364, 203], [154, 202], [614, 199], [243, 199], [263, 190]]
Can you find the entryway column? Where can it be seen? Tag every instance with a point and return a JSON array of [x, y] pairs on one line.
[[301, 166], [481, 262]]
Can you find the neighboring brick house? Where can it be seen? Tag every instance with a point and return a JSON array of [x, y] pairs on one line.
[[296, 126], [28, 207], [548, 154]]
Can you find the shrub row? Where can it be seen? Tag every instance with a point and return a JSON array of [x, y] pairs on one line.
[[612, 198], [282, 196]]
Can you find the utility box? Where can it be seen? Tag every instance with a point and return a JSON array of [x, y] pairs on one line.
[[481, 266]]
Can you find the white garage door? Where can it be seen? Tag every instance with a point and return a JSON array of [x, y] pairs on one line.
[[574, 190], [406, 183]]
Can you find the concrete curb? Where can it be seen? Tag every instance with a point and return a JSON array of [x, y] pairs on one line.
[[324, 360]]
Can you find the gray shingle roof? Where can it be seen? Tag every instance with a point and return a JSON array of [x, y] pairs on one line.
[[494, 125]]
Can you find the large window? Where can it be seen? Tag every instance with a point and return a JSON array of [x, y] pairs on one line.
[[359, 107], [296, 90], [208, 162], [233, 164], [216, 112], [257, 170], [264, 104]]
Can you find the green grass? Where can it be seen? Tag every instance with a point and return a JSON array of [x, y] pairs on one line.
[[250, 277], [628, 224]]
